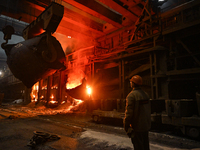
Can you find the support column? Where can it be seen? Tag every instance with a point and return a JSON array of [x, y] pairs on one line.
[[121, 79]]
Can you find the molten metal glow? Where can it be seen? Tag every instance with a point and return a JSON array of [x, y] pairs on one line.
[[39, 32], [52, 97], [89, 90], [63, 102], [72, 85], [44, 87], [54, 87], [77, 102], [34, 100], [35, 87], [75, 79], [34, 92], [53, 102]]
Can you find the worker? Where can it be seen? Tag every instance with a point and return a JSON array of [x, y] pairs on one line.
[[137, 120]]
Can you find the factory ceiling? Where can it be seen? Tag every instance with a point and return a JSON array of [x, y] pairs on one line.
[[88, 19]]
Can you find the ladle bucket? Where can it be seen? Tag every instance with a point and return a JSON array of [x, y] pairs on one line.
[[35, 59]]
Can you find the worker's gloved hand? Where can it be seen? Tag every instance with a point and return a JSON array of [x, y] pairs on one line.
[[130, 132]]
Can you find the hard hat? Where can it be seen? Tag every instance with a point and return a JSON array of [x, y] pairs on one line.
[[136, 79]]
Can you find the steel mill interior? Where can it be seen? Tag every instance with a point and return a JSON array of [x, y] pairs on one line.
[[73, 51]]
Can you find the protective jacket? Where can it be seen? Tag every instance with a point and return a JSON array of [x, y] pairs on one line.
[[138, 111]]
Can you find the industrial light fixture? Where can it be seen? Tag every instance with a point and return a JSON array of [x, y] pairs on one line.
[[162, 1], [158, 3]]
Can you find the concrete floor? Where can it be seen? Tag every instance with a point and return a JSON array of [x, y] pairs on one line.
[[76, 131]]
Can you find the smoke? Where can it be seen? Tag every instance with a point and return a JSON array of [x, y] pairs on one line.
[[71, 44], [67, 42], [82, 48], [75, 78]]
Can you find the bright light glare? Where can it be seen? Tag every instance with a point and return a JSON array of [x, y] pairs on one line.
[[53, 102], [89, 90], [161, 0], [0, 73], [52, 97]]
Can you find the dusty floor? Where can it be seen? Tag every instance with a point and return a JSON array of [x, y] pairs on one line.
[[76, 131]]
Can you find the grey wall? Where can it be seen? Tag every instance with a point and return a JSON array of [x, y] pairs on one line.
[[14, 39]]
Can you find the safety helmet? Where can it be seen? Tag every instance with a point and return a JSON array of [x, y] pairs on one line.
[[136, 79]]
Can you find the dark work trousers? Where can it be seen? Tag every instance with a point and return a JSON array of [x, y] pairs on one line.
[[140, 141]]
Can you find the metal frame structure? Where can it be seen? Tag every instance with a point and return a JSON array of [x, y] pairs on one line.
[[161, 47]]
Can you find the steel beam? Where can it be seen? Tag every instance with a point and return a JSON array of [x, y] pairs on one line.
[[97, 10]]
